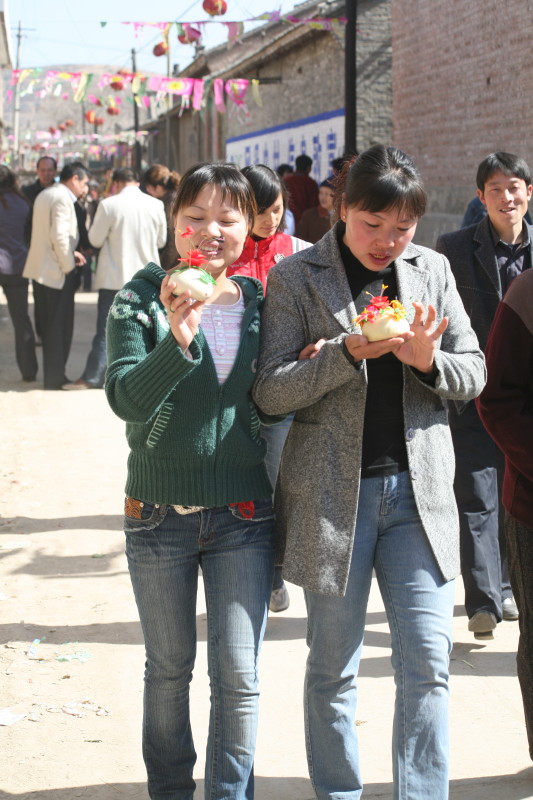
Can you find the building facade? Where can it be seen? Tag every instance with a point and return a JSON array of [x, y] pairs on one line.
[[462, 80], [300, 96]]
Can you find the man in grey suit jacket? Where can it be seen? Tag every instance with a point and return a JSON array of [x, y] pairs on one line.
[[485, 258], [51, 264]]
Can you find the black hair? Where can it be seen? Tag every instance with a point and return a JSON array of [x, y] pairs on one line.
[[125, 175], [284, 169], [267, 187], [303, 163], [219, 173], [50, 158], [8, 185], [384, 178], [76, 168], [507, 163]]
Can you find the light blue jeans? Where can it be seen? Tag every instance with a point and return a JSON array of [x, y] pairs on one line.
[[94, 372], [237, 558], [275, 436], [390, 539]]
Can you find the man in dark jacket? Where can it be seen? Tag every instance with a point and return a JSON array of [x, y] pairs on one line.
[[485, 258], [46, 175]]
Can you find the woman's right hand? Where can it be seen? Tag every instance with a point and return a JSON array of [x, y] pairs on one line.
[[360, 348], [184, 313]]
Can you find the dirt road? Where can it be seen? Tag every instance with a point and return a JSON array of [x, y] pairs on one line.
[[71, 653]]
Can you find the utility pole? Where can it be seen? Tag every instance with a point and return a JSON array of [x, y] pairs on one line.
[[137, 161], [168, 126], [16, 111], [350, 79]]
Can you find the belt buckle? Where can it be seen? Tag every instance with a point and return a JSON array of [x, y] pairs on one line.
[[187, 509]]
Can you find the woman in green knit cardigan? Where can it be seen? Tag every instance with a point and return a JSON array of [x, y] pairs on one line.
[[197, 493]]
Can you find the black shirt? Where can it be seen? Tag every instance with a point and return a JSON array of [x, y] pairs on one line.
[[384, 451], [513, 259]]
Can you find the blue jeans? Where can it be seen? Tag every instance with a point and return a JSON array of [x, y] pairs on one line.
[[236, 554], [94, 372], [275, 436], [390, 539]]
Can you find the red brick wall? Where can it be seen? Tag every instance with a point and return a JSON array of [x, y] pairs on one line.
[[462, 87]]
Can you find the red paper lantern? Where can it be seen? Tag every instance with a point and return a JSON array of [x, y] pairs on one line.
[[189, 35], [62, 126], [69, 123], [52, 130], [90, 116], [99, 121], [215, 8], [112, 111], [117, 83], [160, 49]]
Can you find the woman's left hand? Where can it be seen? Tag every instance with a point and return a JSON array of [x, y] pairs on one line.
[[311, 350], [419, 350]]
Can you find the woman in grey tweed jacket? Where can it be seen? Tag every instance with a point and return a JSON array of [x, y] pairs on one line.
[[366, 477]]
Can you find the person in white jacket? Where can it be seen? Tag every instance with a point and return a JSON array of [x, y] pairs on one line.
[[129, 227], [51, 265]]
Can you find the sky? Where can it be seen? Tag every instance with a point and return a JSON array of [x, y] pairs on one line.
[[57, 32]]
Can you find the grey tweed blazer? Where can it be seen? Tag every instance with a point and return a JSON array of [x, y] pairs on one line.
[[309, 298]]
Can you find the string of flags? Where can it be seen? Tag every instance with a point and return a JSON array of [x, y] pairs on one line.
[[144, 89], [151, 91], [234, 28]]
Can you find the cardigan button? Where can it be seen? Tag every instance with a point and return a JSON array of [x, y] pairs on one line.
[[410, 434]]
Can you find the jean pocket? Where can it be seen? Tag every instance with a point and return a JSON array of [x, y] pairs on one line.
[[140, 516], [262, 511]]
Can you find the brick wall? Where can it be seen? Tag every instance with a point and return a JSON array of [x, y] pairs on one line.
[[462, 88], [374, 84]]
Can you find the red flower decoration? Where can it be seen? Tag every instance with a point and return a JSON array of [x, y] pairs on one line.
[[194, 258], [187, 232], [379, 301]]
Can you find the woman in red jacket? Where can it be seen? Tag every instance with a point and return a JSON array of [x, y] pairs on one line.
[[265, 247], [267, 244]]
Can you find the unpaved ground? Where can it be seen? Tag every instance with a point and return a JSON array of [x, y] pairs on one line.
[[71, 654]]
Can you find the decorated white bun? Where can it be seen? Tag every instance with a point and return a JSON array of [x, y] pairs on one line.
[[194, 280], [385, 326]]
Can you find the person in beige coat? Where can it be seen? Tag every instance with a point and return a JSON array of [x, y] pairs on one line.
[[51, 265], [129, 227], [366, 475]]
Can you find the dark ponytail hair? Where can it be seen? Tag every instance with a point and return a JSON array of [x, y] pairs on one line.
[[380, 179], [159, 175]]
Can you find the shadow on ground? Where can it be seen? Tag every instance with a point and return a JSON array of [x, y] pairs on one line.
[[503, 787], [22, 525]]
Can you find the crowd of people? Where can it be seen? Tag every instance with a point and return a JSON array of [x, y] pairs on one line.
[[272, 438]]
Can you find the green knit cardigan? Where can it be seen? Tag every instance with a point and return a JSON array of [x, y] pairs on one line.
[[192, 440]]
